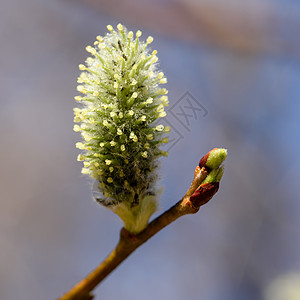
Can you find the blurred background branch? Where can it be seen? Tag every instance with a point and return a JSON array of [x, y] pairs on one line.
[[245, 26]]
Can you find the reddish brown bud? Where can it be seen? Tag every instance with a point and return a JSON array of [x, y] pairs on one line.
[[203, 160], [204, 193], [213, 159]]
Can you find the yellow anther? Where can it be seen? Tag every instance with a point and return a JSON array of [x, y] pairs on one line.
[[80, 146], [154, 52], [149, 136], [111, 169], [110, 28], [82, 67], [149, 100], [167, 129], [113, 143], [162, 114], [163, 80], [119, 131], [134, 95], [81, 89], [96, 164], [130, 34], [164, 100], [101, 144], [77, 110], [133, 137], [86, 164], [89, 49], [149, 39], [160, 75], [87, 138], [121, 115], [109, 180], [159, 127], [99, 38], [76, 128], [85, 171], [138, 34], [143, 118], [164, 153], [131, 113], [108, 161], [80, 157], [78, 98], [122, 147], [120, 27], [145, 154], [96, 154], [105, 123], [147, 145], [112, 114], [160, 108]]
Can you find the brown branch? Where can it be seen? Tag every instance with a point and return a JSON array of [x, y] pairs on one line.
[[196, 196]]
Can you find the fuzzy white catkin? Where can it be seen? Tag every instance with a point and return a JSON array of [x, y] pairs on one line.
[[121, 100]]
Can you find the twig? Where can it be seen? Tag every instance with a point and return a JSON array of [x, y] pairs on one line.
[[189, 204]]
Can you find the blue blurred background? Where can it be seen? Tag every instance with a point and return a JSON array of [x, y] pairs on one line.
[[240, 61]]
